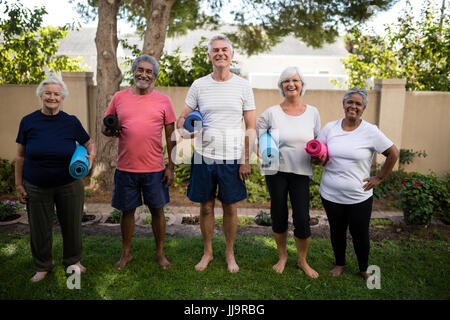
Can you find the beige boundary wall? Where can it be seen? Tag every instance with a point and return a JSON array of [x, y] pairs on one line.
[[413, 120]]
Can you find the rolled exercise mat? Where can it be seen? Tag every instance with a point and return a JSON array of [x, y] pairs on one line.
[[79, 164], [111, 122], [268, 148], [191, 122], [317, 149]]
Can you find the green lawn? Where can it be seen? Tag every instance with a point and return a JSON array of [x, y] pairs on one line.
[[409, 270]]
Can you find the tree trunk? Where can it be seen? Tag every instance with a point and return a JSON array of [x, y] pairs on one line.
[[157, 22], [109, 78]]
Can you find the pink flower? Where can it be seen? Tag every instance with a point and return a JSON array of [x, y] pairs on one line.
[[361, 57], [7, 202], [417, 184]]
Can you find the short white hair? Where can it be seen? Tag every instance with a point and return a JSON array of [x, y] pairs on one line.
[[52, 79], [287, 73], [219, 37]]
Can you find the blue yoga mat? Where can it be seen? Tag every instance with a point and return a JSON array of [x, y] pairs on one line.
[[194, 121], [79, 165], [268, 148]]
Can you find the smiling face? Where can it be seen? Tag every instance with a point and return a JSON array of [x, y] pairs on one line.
[[354, 107], [51, 97], [292, 86], [144, 78], [221, 54]]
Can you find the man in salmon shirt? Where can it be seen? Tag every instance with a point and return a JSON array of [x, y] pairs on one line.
[[143, 113]]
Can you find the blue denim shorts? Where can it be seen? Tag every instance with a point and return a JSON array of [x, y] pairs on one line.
[[206, 177], [130, 187]]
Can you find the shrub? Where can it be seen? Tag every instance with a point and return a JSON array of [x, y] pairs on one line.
[[182, 173], [115, 216], [7, 184], [422, 196], [256, 186], [263, 219], [8, 208], [314, 189]]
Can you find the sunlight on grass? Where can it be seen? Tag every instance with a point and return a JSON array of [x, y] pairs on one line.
[[8, 250], [413, 269]]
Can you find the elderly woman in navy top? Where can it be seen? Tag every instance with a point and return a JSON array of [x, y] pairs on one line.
[[346, 186], [45, 144], [292, 123]]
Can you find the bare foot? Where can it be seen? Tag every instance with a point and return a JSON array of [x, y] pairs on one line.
[[310, 272], [80, 266], [364, 274], [38, 276], [123, 261], [232, 265], [279, 266], [164, 263], [203, 264], [337, 271]]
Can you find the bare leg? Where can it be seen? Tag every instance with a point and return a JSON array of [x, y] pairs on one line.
[[159, 230], [229, 229], [281, 239], [127, 228], [207, 228], [336, 271], [302, 251]]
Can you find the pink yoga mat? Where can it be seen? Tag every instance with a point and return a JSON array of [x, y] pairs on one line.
[[317, 149]]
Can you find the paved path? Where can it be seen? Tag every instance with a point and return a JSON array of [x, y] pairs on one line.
[[105, 208]]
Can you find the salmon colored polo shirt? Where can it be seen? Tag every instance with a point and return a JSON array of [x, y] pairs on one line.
[[142, 118]]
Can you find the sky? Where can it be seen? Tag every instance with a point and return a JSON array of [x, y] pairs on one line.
[[61, 11]]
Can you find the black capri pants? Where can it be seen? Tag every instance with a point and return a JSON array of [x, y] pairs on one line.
[[297, 186], [356, 217]]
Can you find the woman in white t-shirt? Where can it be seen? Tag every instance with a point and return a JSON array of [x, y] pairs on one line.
[[346, 185], [292, 123]]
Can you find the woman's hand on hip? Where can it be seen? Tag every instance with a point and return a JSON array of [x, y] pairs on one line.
[[372, 182]]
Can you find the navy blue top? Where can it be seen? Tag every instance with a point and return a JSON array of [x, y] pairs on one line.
[[49, 144]]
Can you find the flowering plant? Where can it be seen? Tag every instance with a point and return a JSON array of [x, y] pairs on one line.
[[7, 209], [424, 196]]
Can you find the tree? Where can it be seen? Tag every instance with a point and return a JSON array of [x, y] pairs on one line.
[[315, 22], [415, 50], [175, 70], [27, 49], [109, 78]]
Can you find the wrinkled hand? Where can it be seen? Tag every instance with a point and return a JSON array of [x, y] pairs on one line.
[[188, 135], [91, 160], [22, 194], [319, 161], [372, 182], [244, 171], [168, 177], [113, 133]]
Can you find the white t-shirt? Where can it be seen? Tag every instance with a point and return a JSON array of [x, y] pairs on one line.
[[350, 156], [221, 105], [292, 134]]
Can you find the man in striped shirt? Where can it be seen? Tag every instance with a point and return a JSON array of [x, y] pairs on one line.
[[222, 148]]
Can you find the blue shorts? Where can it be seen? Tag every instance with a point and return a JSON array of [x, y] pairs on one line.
[[205, 178], [128, 187]]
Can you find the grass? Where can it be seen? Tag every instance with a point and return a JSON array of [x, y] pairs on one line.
[[414, 269], [243, 221], [380, 222]]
